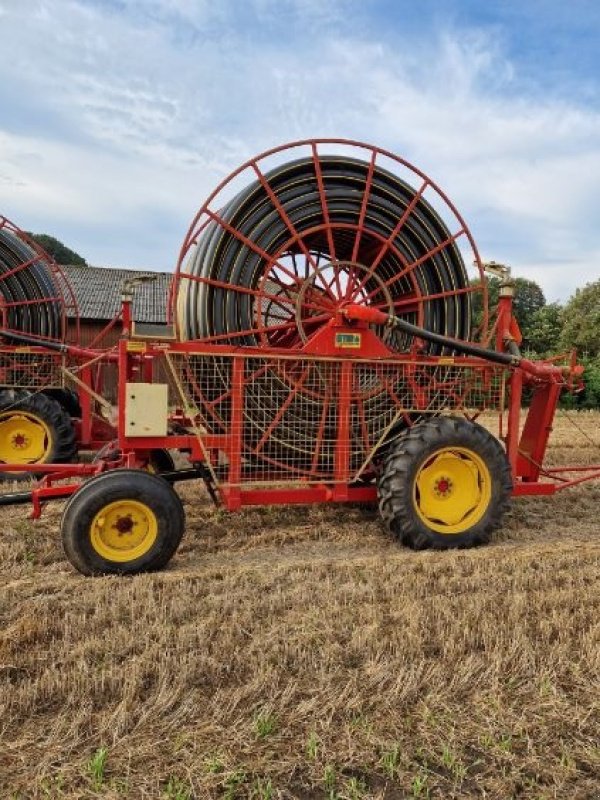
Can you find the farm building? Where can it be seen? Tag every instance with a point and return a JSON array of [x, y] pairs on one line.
[[98, 291]]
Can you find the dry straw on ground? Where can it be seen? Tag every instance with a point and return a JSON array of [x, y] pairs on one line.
[[301, 653]]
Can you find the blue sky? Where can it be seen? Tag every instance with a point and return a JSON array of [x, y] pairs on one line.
[[117, 117]]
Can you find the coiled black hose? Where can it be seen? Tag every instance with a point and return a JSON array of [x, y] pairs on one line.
[[30, 301], [208, 309]]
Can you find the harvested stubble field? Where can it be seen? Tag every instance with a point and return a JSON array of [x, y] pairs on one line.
[[301, 653]]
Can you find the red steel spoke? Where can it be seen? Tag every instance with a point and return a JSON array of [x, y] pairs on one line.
[[194, 239], [280, 299], [24, 265], [390, 240], [248, 332], [32, 302], [325, 210], [252, 245], [293, 255], [255, 374], [410, 299], [320, 432], [284, 216], [271, 276], [350, 285], [363, 208], [399, 275], [284, 407]]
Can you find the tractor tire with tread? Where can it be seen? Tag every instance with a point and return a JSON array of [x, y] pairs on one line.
[[67, 398], [450, 459], [160, 461], [122, 522], [38, 430]]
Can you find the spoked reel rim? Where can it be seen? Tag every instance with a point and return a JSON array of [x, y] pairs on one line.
[[63, 293], [368, 154]]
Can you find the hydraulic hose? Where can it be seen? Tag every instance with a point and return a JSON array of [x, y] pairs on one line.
[[466, 348], [20, 338]]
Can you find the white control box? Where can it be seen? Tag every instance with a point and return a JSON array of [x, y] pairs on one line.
[[146, 409]]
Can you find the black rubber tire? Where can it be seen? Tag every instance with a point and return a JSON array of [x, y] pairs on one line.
[[399, 471], [67, 398], [63, 441], [161, 461], [122, 484]]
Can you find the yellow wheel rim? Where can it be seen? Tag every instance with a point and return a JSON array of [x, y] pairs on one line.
[[123, 530], [24, 438], [452, 490]]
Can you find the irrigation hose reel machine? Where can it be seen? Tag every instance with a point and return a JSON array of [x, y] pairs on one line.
[[324, 350]]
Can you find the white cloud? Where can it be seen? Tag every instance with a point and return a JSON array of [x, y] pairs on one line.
[[122, 122]]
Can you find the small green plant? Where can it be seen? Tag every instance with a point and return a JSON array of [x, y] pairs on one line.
[[176, 789], [53, 787], [452, 763], [214, 765], [505, 742], [355, 789], [486, 740], [329, 778], [233, 782], [390, 761], [360, 722], [566, 760], [264, 724], [97, 767], [419, 787], [262, 790], [312, 746]]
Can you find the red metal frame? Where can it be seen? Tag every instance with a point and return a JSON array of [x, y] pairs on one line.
[[526, 445]]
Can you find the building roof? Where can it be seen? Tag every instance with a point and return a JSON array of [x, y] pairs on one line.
[[98, 292]]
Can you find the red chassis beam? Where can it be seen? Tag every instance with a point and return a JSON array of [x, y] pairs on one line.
[[134, 356], [235, 498]]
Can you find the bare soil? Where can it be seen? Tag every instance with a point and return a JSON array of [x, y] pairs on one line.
[[302, 653]]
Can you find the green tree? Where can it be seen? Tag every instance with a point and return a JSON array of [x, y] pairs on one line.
[[59, 252], [590, 396], [543, 330], [581, 326], [528, 299]]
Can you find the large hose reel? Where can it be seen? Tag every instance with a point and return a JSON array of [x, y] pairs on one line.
[[37, 307], [35, 297], [269, 266], [282, 245]]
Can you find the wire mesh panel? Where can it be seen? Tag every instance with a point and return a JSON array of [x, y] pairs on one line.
[[317, 419], [24, 368]]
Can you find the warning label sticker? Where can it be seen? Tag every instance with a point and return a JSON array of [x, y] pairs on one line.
[[348, 340]]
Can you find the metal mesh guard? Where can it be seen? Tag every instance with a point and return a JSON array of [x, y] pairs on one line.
[[312, 419], [24, 368]]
